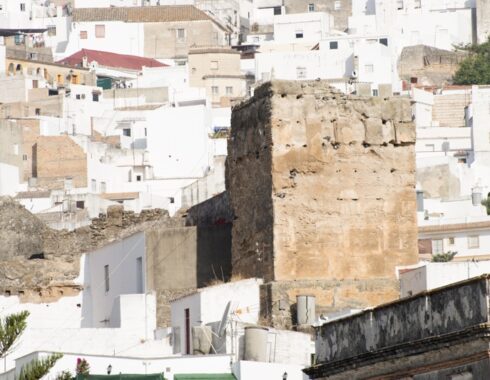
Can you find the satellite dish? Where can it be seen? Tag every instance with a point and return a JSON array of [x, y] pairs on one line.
[[224, 320]]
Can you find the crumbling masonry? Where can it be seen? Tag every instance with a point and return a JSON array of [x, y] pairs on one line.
[[322, 186]]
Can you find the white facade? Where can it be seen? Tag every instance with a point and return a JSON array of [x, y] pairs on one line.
[[304, 27], [434, 275]]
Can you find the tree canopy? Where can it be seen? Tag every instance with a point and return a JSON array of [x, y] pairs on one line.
[[475, 69]]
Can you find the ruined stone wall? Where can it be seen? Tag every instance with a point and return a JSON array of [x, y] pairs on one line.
[[57, 158], [40, 264], [249, 183], [331, 179]]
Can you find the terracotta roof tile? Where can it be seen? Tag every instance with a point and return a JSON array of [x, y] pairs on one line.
[[107, 59], [168, 13]]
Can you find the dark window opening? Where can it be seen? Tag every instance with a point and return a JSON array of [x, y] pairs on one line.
[[334, 45], [277, 11], [80, 204], [383, 41]]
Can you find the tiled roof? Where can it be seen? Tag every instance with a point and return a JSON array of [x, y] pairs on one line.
[[104, 58], [166, 13]]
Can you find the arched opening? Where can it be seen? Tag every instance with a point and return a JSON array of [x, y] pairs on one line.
[[18, 69], [11, 69], [38, 71]]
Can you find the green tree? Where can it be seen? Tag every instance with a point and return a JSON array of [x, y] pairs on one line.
[[11, 328], [444, 257], [37, 368], [475, 69]]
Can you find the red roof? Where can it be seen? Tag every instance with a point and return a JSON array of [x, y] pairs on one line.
[[104, 58]]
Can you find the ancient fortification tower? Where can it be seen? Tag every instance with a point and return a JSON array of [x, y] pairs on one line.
[[323, 189]]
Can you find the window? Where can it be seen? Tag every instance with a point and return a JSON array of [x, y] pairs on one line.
[[80, 204], [214, 90], [95, 96], [300, 72], [369, 68], [399, 4], [180, 35], [337, 5], [77, 96], [94, 185], [24, 157], [383, 41], [277, 11], [138, 178], [68, 183], [417, 4], [38, 111], [103, 188], [106, 277], [146, 132], [437, 247], [127, 132], [311, 7], [375, 92], [171, 200], [51, 30], [473, 241], [22, 7], [139, 275], [299, 34], [83, 34], [451, 241], [214, 65], [35, 83], [99, 31], [334, 45], [229, 90]]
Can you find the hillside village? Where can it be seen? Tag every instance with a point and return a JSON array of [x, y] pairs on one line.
[[244, 189]]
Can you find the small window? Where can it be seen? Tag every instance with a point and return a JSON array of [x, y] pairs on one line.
[[103, 188], [99, 31], [383, 41], [180, 35], [146, 132], [77, 96], [80, 205], [68, 183], [414, 80], [83, 34], [300, 72], [337, 5], [417, 4], [51, 30], [369, 68], [334, 45], [24, 157], [22, 7], [473, 241], [375, 92], [399, 4], [171, 200], [106, 277], [214, 90], [229, 90], [451, 240], [311, 7], [277, 11], [38, 111], [299, 34], [437, 247], [138, 178], [214, 65], [127, 132], [94, 185], [95, 96]]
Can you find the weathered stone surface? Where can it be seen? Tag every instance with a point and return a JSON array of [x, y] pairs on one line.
[[40, 264], [320, 188]]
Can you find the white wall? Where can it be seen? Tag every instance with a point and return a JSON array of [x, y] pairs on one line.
[[247, 370], [9, 179], [435, 275], [314, 27], [121, 258]]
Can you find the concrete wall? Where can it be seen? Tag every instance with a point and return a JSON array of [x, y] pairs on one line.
[[160, 39], [179, 260], [482, 20], [429, 334]]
